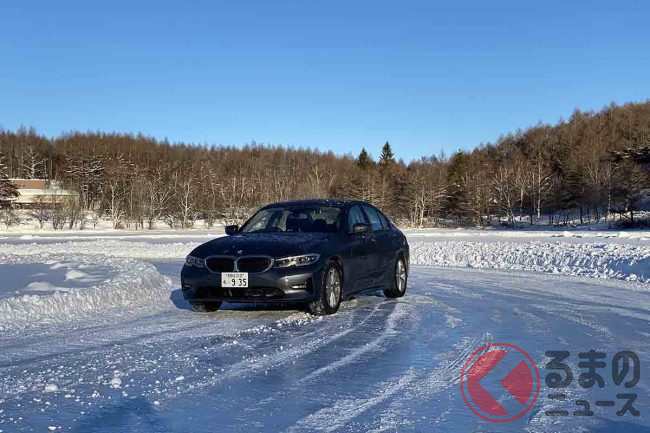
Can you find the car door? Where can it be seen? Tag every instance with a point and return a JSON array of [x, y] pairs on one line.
[[393, 245], [382, 256], [358, 253]]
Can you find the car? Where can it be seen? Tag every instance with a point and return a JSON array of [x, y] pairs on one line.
[[314, 252]]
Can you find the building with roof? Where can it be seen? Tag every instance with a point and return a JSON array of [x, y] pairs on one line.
[[34, 192]]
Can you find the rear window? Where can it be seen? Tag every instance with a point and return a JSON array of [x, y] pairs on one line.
[[373, 218]]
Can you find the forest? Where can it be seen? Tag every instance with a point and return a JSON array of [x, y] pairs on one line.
[[595, 166]]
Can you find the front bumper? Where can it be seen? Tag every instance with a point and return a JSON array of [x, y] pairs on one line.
[[293, 284]]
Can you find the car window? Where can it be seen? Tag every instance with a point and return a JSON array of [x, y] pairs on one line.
[[355, 216], [261, 222], [384, 220], [316, 219], [373, 217]]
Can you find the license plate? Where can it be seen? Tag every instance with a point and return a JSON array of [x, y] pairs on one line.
[[234, 279]]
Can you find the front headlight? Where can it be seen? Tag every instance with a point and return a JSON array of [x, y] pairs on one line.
[[194, 261], [303, 260]]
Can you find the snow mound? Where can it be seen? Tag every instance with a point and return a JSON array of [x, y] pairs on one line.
[[535, 232], [600, 260], [75, 274], [44, 286], [107, 247], [135, 284]]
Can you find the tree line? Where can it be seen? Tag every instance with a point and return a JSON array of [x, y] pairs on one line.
[[589, 167]]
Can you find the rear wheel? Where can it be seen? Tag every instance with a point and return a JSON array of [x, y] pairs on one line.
[[398, 288], [206, 307], [330, 291]]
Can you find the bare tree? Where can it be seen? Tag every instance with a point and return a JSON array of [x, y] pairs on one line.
[[566, 171], [506, 191], [33, 163], [116, 183], [9, 217], [59, 214], [41, 209]]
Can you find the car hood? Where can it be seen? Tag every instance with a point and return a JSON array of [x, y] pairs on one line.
[[270, 244]]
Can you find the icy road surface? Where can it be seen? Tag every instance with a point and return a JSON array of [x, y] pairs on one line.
[[149, 364]]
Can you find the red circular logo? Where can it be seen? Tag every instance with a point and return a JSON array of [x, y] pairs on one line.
[[514, 383]]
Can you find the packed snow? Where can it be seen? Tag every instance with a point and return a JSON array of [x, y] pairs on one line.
[[95, 335], [126, 283], [587, 254], [601, 260]]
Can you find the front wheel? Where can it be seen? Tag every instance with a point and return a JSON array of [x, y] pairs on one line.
[[330, 292], [398, 288], [206, 307]]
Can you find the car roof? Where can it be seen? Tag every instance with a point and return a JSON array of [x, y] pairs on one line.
[[316, 202]]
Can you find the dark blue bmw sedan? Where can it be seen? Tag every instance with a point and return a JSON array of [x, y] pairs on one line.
[[315, 252]]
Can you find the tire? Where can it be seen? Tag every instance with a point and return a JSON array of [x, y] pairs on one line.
[[400, 279], [330, 291], [206, 307]]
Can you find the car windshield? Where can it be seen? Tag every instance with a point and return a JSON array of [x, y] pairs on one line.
[[305, 219]]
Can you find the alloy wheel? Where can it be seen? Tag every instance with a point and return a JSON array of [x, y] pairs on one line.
[[333, 287], [400, 276]]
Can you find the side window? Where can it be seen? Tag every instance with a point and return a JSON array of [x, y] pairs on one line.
[[355, 216], [373, 217], [262, 222], [384, 220]]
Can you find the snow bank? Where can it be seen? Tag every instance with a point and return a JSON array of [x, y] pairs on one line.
[[599, 235], [108, 247], [600, 260], [135, 284]]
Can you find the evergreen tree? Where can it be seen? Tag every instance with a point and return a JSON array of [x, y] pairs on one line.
[[7, 189], [364, 160], [387, 157], [457, 197]]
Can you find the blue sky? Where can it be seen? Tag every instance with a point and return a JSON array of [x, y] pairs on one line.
[[334, 75]]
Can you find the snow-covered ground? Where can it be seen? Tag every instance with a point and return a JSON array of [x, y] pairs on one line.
[[95, 336]]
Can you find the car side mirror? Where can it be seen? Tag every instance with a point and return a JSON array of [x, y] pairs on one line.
[[231, 230], [360, 228]]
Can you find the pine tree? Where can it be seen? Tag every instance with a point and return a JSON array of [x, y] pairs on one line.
[[7, 189], [387, 157], [364, 160], [457, 198]]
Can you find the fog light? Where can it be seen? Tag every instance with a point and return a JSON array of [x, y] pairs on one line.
[[302, 286]]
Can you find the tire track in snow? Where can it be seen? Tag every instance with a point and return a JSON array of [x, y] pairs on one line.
[[400, 311], [157, 371], [413, 385], [335, 417], [265, 362], [406, 304], [445, 376]]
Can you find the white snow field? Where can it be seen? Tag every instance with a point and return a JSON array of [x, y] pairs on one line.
[[95, 337]]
